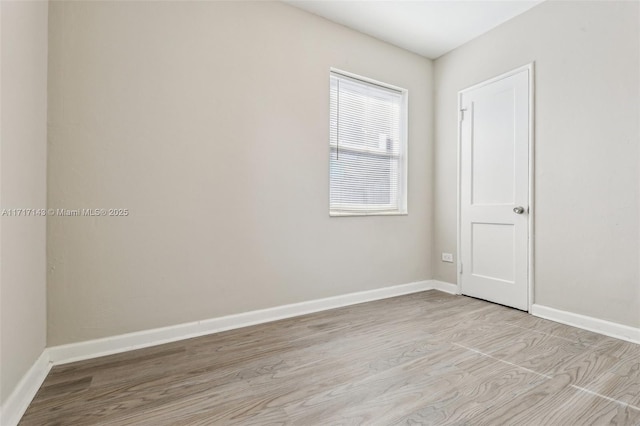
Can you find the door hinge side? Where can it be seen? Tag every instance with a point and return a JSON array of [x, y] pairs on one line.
[[462, 110], [461, 268]]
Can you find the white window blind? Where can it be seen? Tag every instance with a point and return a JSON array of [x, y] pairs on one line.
[[368, 147]]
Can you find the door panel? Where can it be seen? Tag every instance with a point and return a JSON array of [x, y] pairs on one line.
[[494, 150], [492, 249]]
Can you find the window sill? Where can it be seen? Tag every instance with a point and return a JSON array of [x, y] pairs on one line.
[[346, 214]]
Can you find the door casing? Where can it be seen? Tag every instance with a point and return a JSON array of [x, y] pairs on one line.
[[530, 217]]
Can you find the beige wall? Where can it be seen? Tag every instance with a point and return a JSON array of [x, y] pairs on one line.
[[209, 121], [22, 185], [586, 175]]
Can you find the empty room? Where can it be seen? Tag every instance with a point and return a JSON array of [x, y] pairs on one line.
[[320, 212]]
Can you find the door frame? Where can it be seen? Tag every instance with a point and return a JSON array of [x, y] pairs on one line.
[[530, 217]]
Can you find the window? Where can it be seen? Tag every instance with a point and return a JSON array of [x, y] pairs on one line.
[[367, 147]]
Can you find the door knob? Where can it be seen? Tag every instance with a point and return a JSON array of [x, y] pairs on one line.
[[518, 210]]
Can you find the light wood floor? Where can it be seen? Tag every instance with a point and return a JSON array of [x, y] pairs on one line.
[[426, 358]]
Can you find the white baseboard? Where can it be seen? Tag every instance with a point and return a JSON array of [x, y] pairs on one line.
[[608, 328], [17, 403], [115, 344], [444, 286]]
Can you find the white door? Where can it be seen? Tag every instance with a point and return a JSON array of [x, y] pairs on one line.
[[494, 190]]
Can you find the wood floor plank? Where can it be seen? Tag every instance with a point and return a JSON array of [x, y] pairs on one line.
[[539, 352], [621, 383], [542, 325], [427, 358], [475, 397], [556, 402]]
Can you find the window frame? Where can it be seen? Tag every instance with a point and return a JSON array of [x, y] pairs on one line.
[[401, 208]]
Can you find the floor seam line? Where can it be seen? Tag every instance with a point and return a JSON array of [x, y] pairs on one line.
[[590, 392], [579, 388], [503, 361]]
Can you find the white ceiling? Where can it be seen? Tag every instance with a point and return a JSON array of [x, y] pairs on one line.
[[429, 27]]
